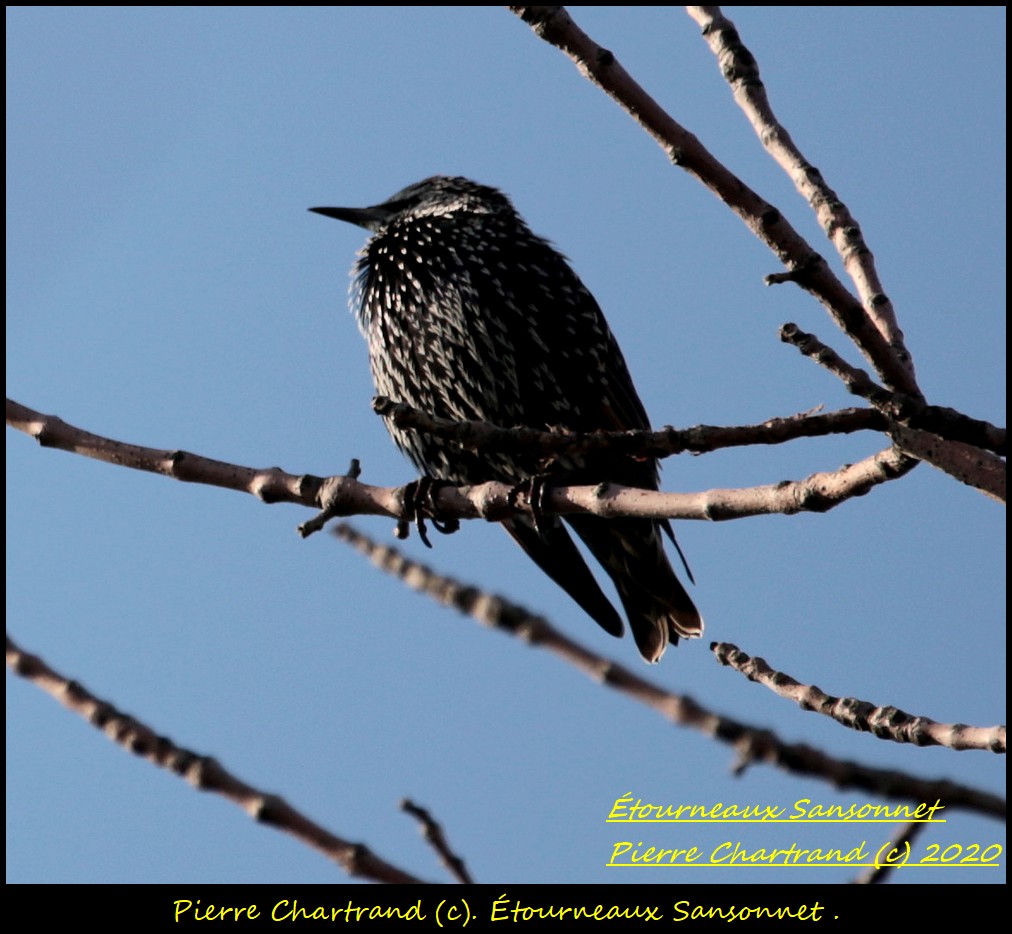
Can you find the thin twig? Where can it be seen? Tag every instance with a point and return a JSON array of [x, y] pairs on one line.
[[970, 464], [271, 485], [751, 743], [899, 846], [805, 266], [434, 836], [203, 772], [885, 722], [699, 439], [941, 420], [740, 69]]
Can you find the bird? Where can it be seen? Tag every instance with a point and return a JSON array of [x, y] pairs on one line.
[[469, 315]]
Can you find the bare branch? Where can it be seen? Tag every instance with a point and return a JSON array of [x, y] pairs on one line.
[[967, 463], [700, 439], [271, 485], [939, 419], [741, 71], [819, 492], [881, 873], [885, 722], [751, 743], [345, 496], [805, 266], [865, 325], [203, 772], [435, 837]]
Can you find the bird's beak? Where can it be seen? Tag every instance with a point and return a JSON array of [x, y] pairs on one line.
[[370, 218]]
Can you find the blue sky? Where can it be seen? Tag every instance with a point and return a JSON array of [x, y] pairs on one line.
[[166, 286]]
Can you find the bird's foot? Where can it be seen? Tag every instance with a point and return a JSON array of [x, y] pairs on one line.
[[534, 489], [419, 499]]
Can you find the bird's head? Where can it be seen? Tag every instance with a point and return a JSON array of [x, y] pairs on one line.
[[437, 196]]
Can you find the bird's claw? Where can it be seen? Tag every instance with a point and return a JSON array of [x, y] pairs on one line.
[[419, 499], [534, 489]]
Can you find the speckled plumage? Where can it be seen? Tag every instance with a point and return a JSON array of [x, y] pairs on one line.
[[469, 315]]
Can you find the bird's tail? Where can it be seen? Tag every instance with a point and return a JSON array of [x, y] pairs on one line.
[[657, 606], [553, 551]]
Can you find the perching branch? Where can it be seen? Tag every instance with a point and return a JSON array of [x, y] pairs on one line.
[[885, 722], [203, 772], [751, 743], [346, 496]]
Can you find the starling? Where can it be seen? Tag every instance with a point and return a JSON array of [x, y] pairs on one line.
[[470, 315]]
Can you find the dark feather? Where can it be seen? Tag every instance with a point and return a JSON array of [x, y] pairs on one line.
[[469, 315]]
